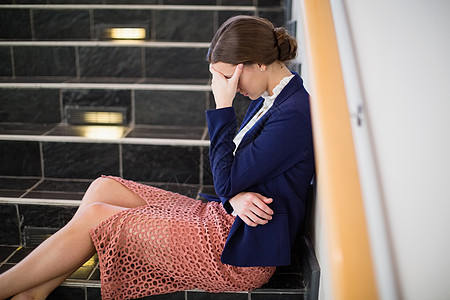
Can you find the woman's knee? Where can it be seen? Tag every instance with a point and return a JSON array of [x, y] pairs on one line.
[[99, 184], [99, 189], [95, 213], [111, 192]]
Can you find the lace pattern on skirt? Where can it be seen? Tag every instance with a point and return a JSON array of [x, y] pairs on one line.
[[171, 244]]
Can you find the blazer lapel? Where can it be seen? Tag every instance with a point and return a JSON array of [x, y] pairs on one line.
[[252, 109], [293, 86]]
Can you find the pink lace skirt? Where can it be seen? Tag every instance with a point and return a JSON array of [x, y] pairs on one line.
[[173, 243]]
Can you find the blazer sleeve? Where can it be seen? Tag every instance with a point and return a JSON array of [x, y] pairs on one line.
[[273, 148]]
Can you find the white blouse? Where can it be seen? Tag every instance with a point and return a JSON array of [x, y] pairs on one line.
[[268, 102]]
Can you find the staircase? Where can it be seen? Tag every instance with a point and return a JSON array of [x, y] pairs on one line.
[[77, 102]]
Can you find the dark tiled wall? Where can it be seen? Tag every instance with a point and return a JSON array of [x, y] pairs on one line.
[[192, 26], [163, 25], [170, 164], [161, 163], [61, 24], [119, 62], [173, 108], [261, 3], [15, 24], [186, 2], [73, 160], [10, 234], [64, 24], [97, 98], [19, 158], [30, 106], [186, 108], [189, 63], [30, 216], [55, 216], [5, 62], [44, 61], [110, 62]]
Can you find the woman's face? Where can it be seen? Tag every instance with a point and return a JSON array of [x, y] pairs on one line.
[[252, 82]]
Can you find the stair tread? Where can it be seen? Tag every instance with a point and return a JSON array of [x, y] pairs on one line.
[[115, 80], [105, 43], [138, 6], [139, 134], [106, 84], [22, 189], [286, 280]]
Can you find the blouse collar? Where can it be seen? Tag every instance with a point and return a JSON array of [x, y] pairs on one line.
[[277, 90]]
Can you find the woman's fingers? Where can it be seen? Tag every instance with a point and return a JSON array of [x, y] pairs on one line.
[[249, 221], [261, 202], [252, 208], [213, 71], [237, 74], [224, 88]]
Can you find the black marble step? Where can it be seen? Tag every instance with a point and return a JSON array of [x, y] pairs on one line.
[[36, 202], [144, 104], [188, 23], [287, 283], [147, 2], [142, 107], [63, 82], [185, 164], [172, 154], [23, 215], [133, 62], [178, 20]]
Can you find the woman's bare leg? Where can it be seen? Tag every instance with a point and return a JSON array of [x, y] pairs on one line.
[[109, 191], [104, 197], [43, 290]]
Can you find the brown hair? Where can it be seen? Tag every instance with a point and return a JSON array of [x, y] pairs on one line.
[[250, 40]]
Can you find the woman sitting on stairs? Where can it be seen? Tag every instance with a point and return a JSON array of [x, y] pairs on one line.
[[150, 241]]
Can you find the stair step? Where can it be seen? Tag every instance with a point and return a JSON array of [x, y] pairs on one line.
[[122, 62], [137, 135], [157, 163], [194, 23], [129, 6], [138, 44], [110, 84], [69, 192], [161, 22], [287, 283]]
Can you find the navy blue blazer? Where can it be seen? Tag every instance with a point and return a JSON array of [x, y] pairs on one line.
[[275, 159]]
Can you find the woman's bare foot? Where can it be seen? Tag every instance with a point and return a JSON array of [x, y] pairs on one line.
[[29, 295]]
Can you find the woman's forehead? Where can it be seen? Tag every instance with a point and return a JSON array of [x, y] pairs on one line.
[[224, 68]]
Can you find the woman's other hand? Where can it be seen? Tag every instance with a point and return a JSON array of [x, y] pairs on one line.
[[252, 208], [224, 88]]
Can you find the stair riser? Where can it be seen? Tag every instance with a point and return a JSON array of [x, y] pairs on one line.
[[172, 164], [121, 62], [88, 24], [145, 107], [172, 108], [150, 2], [30, 215]]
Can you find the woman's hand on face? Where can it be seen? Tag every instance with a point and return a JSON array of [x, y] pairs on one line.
[[252, 208], [223, 88]]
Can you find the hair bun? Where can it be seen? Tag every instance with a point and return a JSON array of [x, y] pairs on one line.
[[287, 45]]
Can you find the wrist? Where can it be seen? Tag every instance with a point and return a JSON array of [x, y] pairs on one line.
[[222, 106], [224, 103]]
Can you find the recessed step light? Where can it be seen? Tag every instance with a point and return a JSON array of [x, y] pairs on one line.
[[88, 115], [126, 33], [34, 236]]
